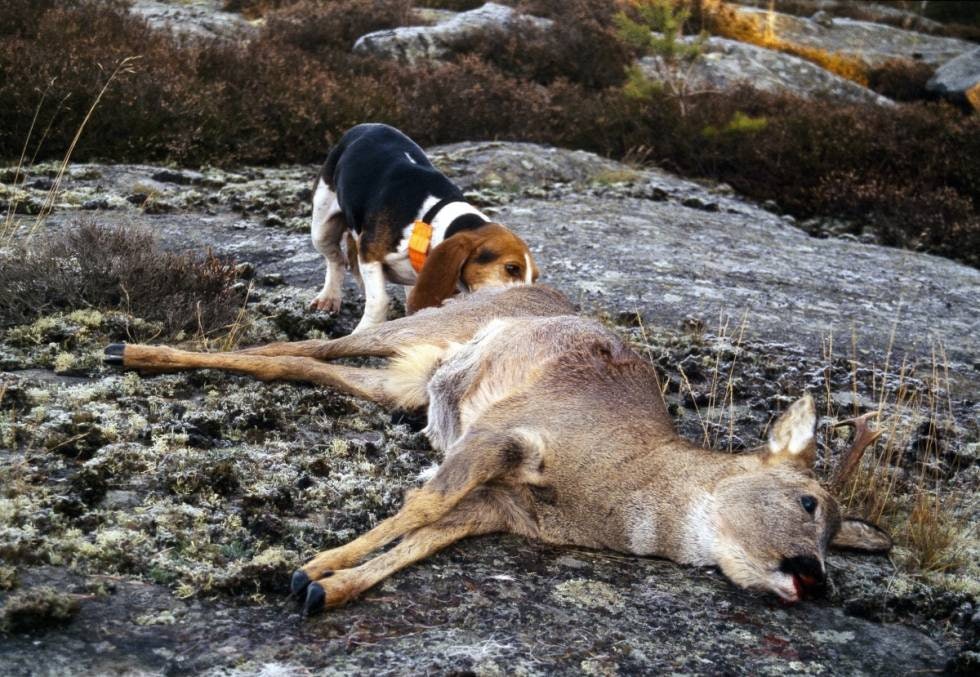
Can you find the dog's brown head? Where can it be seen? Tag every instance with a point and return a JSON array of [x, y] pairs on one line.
[[488, 256]]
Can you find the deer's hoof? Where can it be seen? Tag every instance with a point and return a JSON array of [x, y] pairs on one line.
[[316, 598], [298, 583], [114, 354]]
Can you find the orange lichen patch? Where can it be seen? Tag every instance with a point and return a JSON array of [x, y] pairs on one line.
[[728, 23], [973, 96]]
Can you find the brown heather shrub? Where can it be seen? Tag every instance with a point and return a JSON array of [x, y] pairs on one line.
[[901, 79], [581, 45], [960, 12], [458, 5], [253, 9], [130, 273], [319, 28], [937, 220]]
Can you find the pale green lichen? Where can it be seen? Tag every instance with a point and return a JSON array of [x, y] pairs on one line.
[[165, 617], [63, 362], [8, 577], [87, 317], [591, 594], [34, 333], [34, 608]]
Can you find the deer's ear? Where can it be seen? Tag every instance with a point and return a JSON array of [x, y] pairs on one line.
[[857, 534], [791, 436]]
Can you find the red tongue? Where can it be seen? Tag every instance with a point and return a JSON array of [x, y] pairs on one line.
[[798, 584]]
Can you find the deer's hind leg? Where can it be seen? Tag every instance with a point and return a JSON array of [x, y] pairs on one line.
[[401, 385], [478, 458], [381, 340], [456, 322], [484, 511]]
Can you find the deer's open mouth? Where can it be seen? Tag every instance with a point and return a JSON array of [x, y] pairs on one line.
[[806, 586], [807, 576], [785, 586]]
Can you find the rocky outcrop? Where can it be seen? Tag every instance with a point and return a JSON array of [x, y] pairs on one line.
[[871, 11], [725, 64], [959, 79], [198, 18], [872, 43], [411, 44]]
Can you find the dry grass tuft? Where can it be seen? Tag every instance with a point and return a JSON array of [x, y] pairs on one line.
[[900, 484], [934, 534], [93, 266]]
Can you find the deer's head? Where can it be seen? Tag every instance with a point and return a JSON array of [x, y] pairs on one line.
[[775, 522]]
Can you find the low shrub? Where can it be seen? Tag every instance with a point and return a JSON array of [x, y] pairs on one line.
[[458, 5], [185, 293], [901, 79], [965, 12], [580, 46], [319, 28], [909, 171], [253, 9]]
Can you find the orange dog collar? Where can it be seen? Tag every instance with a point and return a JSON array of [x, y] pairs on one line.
[[418, 244]]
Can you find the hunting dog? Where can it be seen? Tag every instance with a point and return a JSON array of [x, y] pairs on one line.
[[406, 223]]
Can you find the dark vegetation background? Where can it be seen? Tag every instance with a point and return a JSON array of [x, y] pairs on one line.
[[912, 170]]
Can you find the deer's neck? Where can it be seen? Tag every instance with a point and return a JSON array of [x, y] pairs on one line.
[[674, 514]]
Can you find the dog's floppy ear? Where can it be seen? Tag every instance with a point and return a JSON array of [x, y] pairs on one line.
[[439, 277]]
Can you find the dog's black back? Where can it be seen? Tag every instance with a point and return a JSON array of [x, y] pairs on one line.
[[381, 178]]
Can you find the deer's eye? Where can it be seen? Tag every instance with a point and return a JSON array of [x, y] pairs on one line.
[[809, 503], [513, 269]]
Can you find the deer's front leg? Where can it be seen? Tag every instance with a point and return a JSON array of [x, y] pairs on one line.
[[477, 458], [477, 514]]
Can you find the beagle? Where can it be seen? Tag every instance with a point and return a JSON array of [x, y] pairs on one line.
[[406, 223]]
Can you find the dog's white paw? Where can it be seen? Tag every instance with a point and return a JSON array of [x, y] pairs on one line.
[[329, 304]]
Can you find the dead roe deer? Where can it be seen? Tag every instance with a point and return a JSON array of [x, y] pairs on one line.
[[553, 428]]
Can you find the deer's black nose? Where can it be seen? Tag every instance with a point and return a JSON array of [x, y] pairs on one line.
[[808, 575]]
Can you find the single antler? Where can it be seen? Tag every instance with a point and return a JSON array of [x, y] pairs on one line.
[[864, 437]]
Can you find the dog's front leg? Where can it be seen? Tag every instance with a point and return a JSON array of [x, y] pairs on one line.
[[375, 295]]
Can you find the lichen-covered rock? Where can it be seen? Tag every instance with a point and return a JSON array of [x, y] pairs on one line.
[[873, 11], [198, 18], [36, 608], [410, 44], [726, 64], [872, 43], [959, 79], [172, 507]]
